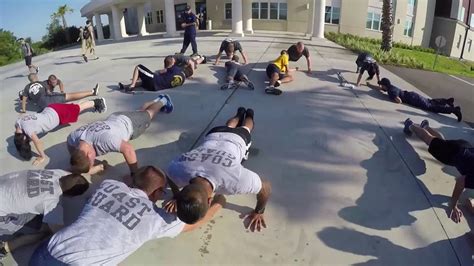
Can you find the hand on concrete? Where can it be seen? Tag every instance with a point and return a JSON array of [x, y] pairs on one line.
[[255, 221], [455, 214], [219, 199], [39, 160], [170, 206]]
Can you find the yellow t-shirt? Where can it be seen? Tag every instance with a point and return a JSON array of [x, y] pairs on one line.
[[281, 62]]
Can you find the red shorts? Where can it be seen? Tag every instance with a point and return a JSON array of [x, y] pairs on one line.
[[67, 112]]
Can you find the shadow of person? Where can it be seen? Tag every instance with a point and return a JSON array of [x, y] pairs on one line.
[[389, 253], [390, 193], [29, 106]]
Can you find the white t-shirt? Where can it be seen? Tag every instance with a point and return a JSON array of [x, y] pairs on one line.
[[105, 136], [38, 123], [32, 191], [218, 160], [114, 223]]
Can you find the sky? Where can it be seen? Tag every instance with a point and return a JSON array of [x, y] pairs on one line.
[[29, 18]]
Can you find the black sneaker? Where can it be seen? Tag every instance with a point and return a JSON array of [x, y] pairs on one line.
[[457, 113], [194, 54], [248, 83], [85, 58], [121, 86], [96, 90], [100, 105], [277, 83], [204, 61], [451, 102]]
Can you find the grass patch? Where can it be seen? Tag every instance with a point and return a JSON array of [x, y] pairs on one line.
[[404, 55]]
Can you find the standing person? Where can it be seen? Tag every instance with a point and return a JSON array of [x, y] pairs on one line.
[[28, 55], [37, 92], [229, 46], [31, 203], [116, 221], [296, 51], [189, 26], [443, 106], [216, 167], [83, 43], [113, 135], [458, 153], [278, 72], [235, 73], [30, 127], [365, 62], [89, 38]]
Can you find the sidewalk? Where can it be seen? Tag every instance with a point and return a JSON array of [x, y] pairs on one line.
[[348, 186]]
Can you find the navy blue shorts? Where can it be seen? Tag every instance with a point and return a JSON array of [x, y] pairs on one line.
[[271, 69]]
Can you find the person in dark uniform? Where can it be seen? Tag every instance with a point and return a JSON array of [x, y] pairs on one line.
[[229, 46], [296, 51], [189, 26], [443, 106], [458, 153], [365, 62]]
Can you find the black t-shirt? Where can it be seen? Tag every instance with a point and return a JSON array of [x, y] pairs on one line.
[[35, 90], [225, 44], [181, 60], [371, 68], [464, 162], [294, 55]]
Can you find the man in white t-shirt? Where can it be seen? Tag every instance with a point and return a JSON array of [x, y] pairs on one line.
[[31, 195], [113, 135], [215, 167], [115, 222]]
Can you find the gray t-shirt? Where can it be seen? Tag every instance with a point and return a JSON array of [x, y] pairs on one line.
[[218, 160], [105, 136], [38, 123], [114, 223], [32, 191], [35, 91], [26, 49]]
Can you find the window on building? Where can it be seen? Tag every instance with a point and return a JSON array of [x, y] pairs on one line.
[[270, 10], [332, 15], [408, 30], [470, 44], [228, 10], [411, 7], [462, 12], [149, 18], [373, 21], [159, 16]]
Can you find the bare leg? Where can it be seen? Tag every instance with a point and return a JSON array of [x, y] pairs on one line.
[[152, 108], [273, 79], [135, 78], [422, 133], [73, 96], [286, 79], [233, 122], [435, 133], [86, 105]]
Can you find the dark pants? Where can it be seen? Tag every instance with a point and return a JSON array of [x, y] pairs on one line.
[[440, 106], [234, 70], [189, 38], [41, 257]]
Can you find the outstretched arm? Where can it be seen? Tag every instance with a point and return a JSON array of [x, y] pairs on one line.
[[39, 148], [218, 57], [217, 203], [453, 211], [359, 78], [61, 86], [256, 219], [23, 104], [308, 62], [130, 156], [244, 56]]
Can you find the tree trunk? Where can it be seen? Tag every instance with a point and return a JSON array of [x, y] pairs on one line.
[[387, 26], [66, 31], [64, 22]]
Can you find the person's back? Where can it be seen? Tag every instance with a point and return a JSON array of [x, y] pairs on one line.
[[115, 222], [38, 123], [173, 77], [35, 90], [30, 191], [294, 55], [105, 136], [282, 62]]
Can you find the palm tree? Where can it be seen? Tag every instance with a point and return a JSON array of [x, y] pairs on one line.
[[61, 12], [387, 26]]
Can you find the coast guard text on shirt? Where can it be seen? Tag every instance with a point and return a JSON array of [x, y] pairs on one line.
[[212, 155], [39, 181]]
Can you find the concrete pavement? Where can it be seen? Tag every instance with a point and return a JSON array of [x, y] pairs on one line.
[[348, 186]]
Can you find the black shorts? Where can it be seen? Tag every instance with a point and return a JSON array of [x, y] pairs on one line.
[[146, 76], [28, 60], [50, 99], [272, 68], [445, 151], [242, 132]]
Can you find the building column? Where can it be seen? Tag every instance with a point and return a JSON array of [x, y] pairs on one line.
[[98, 26], [170, 19], [310, 29], [237, 29], [118, 22], [141, 20], [247, 16], [111, 26], [319, 13]]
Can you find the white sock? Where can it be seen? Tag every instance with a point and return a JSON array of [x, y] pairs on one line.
[[161, 100]]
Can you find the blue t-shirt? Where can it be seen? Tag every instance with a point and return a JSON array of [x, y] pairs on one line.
[[465, 165], [173, 77], [189, 18]]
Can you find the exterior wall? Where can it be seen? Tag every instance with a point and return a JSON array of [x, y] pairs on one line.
[[354, 17], [216, 13], [152, 7], [469, 50], [444, 27], [298, 14], [423, 22]]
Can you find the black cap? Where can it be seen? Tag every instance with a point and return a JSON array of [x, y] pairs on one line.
[[385, 82], [188, 8]]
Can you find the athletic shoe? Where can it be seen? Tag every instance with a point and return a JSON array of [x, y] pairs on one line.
[[406, 129], [96, 90], [272, 90], [204, 61], [230, 85], [247, 82], [277, 83], [168, 107], [195, 54], [3, 251], [457, 113], [100, 105], [451, 102], [121, 86], [425, 124], [85, 58]]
